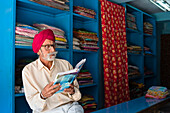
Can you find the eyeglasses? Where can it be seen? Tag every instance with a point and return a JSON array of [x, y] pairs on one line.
[[48, 46]]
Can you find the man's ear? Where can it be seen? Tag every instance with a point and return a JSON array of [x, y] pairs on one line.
[[38, 53]]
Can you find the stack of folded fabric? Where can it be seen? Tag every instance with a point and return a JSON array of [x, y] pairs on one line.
[[147, 51], [134, 49], [18, 73], [131, 21], [24, 34], [85, 77], [157, 92], [148, 28], [88, 103], [84, 11], [60, 39], [88, 39], [58, 4], [76, 43], [133, 71], [147, 71]]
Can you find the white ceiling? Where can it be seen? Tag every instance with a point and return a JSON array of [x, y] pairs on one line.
[[144, 5]]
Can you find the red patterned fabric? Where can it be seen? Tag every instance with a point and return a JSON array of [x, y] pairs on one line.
[[114, 53]]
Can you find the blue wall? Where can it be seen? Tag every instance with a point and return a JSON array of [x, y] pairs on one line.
[[163, 27], [163, 16], [6, 57]]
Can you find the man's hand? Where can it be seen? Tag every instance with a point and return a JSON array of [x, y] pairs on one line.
[[70, 90], [50, 89]]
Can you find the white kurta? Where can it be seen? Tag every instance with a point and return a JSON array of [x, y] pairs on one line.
[[36, 76]]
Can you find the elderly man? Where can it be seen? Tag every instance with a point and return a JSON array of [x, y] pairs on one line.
[[38, 79]]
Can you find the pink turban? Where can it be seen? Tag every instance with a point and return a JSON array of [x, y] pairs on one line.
[[40, 38]]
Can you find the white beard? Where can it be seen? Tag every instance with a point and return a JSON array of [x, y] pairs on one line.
[[50, 56]]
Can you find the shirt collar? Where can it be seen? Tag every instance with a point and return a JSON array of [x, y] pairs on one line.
[[41, 65]]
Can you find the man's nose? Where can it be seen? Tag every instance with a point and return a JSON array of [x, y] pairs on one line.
[[52, 48]]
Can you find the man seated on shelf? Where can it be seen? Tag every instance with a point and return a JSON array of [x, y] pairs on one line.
[[38, 79]]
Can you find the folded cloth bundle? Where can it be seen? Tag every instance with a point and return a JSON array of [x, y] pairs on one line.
[[85, 77], [88, 103], [157, 92], [88, 40], [58, 4], [148, 28], [84, 11], [24, 34], [131, 21]]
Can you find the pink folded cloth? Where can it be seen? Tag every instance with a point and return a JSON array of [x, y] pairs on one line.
[[47, 27], [26, 30]]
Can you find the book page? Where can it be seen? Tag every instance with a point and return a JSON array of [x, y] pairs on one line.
[[66, 78], [65, 81], [73, 71], [80, 64]]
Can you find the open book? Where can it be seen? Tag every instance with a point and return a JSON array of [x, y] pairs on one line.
[[67, 78]]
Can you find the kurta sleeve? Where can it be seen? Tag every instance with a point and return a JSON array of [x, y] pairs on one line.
[[31, 93]]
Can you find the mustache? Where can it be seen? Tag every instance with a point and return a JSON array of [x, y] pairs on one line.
[[53, 53]]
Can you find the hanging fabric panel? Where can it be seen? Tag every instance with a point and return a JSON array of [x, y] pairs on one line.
[[114, 53]]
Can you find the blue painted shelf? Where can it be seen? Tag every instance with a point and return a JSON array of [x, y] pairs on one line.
[[147, 35], [83, 18], [132, 30], [28, 12], [89, 85], [81, 86], [39, 8], [23, 47], [19, 95], [61, 49], [148, 76], [149, 55], [135, 77], [140, 38], [83, 51], [134, 54]]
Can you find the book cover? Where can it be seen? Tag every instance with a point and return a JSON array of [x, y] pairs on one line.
[[67, 78]]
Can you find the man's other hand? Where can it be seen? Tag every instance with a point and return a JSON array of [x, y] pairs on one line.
[[70, 90], [50, 89]]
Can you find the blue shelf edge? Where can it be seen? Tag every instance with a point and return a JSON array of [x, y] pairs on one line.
[[19, 95], [149, 55], [148, 76], [83, 51], [146, 14], [83, 86], [147, 35], [89, 85], [135, 77], [61, 49], [132, 30], [23, 47], [134, 54], [84, 17]]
